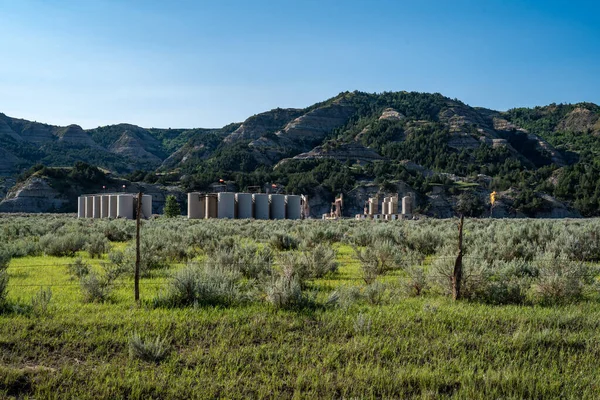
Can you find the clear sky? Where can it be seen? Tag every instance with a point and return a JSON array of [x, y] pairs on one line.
[[208, 63]]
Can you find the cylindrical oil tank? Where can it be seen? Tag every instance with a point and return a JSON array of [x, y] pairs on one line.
[[196, 207], [211, 208], [104, 200], [277, 206], [89, 206], [373, 207], [81, 207], [261, 206], [226, 207], [112, 206], [293, 206], [244, 205], [125, 206], [146, 206], [407, 205], [385, 206], [393, 206], [96, 209]]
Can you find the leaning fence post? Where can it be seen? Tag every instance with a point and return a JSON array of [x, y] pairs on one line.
[[457, 273]]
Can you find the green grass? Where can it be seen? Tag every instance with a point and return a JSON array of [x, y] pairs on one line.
[[426, 348]]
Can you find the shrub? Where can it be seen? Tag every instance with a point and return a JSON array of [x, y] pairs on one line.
[[150, 350], [249, 260], [98, 286], [362, 324], [344, 297], [62, 245], [416, 281], [201, 285], [377, 260], [283, 242], [320, 261], [96, 245], [375, 293], [285, 292], [119, 230], [40, 301], [560, 281], [79, 268]]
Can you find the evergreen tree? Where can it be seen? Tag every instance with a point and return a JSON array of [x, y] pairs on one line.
[[172, 208]]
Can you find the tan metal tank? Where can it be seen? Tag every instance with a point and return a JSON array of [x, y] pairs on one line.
[[211, 207], [96, 207], [112, 206], [81, 207], [104, 201], [196, 207], [89, 206]]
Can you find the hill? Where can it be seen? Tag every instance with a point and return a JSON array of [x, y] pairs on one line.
[[542, 160]]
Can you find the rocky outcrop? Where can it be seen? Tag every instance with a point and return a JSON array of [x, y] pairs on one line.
[[580, 120], [36, 195], [390, 114], [130, 145], [355, 152], [317, 124], [543, 147], [75, 135], [33, 196], [461, 140], [263, 123]]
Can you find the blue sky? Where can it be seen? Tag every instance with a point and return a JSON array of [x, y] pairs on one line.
[[207, 63]]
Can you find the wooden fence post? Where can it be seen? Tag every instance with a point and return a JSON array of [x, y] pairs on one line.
[[137, 249], [457, 273]]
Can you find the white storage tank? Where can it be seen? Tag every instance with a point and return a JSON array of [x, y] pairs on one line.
[[226, 207], [244, 205], [112, 206], [196, 206], [407, 205], [104, 200], [211, 208], [146, 206], [81, 207], [125, 206], [89, 206], [277, 206], [293, 206], [96, 207], [261, 206]]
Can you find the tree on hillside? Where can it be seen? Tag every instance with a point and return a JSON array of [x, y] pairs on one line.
[[172, 208]]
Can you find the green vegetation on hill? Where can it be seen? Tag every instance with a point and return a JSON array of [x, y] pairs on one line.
[[448, 141]]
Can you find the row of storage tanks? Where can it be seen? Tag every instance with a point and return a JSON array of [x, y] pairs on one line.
[[389, 206], [244, 205], [113, 206]]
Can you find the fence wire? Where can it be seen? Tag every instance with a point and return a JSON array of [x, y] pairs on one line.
[[586, 270]]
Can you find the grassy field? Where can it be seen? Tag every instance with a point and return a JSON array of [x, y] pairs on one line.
[[398, 346]]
